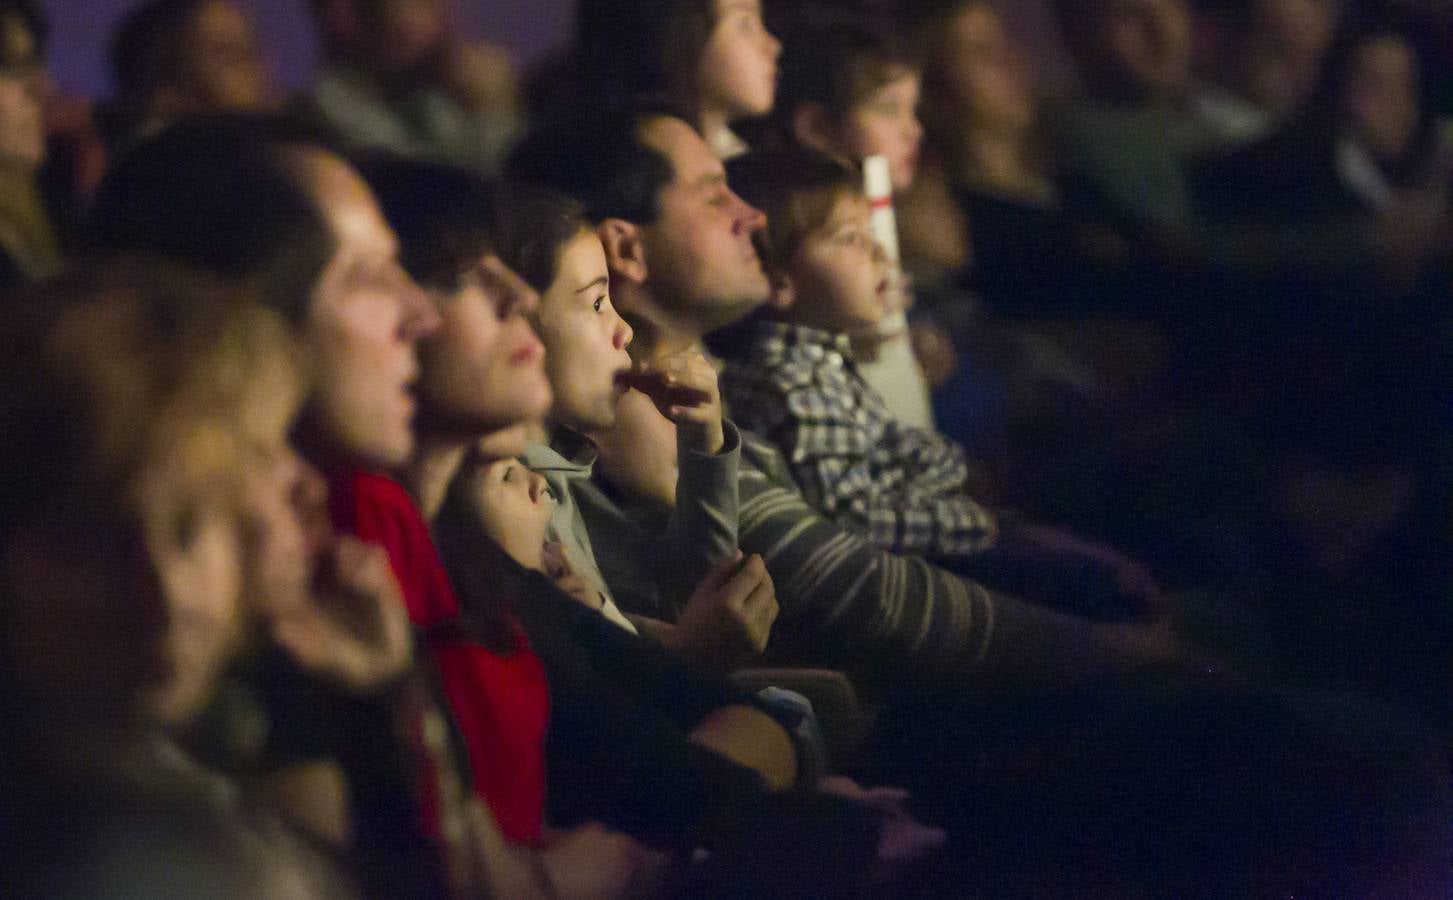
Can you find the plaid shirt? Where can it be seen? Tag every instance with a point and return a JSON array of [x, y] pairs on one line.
[[903, 487]]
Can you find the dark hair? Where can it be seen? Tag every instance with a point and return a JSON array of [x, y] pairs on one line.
[[445, 217], [32, 18], [147, 47], [797, 188], [628, 49], [540, 223], [218, 192], [601, 162], [836, 67]]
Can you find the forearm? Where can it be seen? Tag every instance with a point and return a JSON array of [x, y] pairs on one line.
[[702, 531]]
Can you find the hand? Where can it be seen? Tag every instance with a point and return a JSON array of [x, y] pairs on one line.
[[557, 567], [592, 863], [729, 617], [684, 388], [902, 839], [1133, 581], [352, 629]]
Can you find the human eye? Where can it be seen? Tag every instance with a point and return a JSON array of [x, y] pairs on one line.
[[599, 303], [508, 475]]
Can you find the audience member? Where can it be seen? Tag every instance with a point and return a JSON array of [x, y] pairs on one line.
[[398, 76], [148, 535], [714, 60], [28, 247], [848, 91], [176, 58], [1258, 61], [1123, 141]]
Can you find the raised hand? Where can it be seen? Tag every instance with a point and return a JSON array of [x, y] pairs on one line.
[[684, 388], [352, 629]]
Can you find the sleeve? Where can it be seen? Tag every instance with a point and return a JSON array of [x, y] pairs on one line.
[[909, 499], [618, 749], [883, 618], [703, 527]]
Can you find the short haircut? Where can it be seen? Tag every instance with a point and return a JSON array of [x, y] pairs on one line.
[[30, 15], [445, 217], [540, 224], [147, 47], [798, 189], [604, 163], [837, 67], [218, 192]]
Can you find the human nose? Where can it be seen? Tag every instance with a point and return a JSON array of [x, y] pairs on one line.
[[537, 485], [420, 316], [623, 334], [749, 219]]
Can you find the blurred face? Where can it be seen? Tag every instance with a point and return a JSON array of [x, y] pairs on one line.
[[362, 324], [135, 620], [224, 62], [409, 33], [1382, 97], [840, 274], [484, 369], [515, 506], [701, 261], [1143, 45], [23, 85], [987, 73], [738, 70], [585, 339], [1284, 49], [887, 124]]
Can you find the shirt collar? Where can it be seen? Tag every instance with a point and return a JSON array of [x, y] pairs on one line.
[[790, 335]]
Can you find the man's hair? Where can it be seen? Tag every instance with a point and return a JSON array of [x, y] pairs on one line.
[[540, 224], [30, 15], [602, 162], [445, 217], [797, 188], [148, 47], [837, 67], [218, 192]]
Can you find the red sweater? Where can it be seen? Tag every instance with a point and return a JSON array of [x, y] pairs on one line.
[[500, 703]]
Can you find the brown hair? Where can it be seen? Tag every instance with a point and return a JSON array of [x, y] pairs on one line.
[[797, 188], [117, 366]]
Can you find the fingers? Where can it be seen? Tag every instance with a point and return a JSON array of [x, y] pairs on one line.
[[741, 589], [720, 574]]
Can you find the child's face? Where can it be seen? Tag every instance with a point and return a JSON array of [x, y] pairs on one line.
[[886, 124], [585, 340], [515, 506], [738, 70], [840, 274]]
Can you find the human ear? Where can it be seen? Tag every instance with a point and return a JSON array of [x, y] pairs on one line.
[[812, 127], [625, 255]]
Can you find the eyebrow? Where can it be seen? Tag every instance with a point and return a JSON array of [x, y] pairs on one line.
[[711, 180], [602, 281]]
